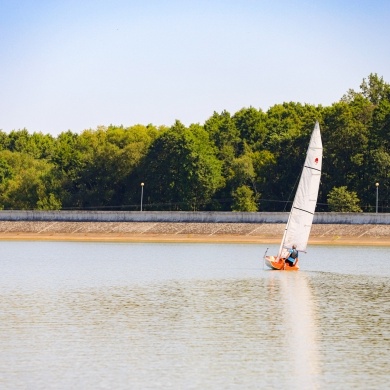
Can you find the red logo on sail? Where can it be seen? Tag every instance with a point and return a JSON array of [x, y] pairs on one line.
[[316, 160]]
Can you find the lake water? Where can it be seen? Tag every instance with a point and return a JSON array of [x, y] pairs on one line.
[[192, 316]]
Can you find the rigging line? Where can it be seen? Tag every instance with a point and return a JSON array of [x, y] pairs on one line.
[[292, 189]]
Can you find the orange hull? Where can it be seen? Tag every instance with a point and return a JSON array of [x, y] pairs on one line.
[[280, 265]]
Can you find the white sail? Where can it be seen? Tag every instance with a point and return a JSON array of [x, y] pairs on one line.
[[302, 212]]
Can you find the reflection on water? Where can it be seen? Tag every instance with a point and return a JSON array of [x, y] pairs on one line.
[[301, 329], [233, 326]]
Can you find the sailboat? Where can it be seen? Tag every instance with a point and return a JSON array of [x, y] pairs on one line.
[[301, 216]]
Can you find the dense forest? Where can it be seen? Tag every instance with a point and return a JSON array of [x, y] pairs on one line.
[[248, 161]]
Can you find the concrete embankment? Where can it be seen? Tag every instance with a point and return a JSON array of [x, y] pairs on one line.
[[188, 216], [329, 228]]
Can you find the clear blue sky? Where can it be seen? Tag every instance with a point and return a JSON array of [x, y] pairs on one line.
[[76, 64]]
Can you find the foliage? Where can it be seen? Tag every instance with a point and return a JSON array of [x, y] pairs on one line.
[[227, 163], [5, 171], [49, 202], [28, 182], [244, 199], [181, 169], [95, 166], [250, 124], [342, 200]]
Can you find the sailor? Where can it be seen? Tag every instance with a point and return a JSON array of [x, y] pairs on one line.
[[292, 258]]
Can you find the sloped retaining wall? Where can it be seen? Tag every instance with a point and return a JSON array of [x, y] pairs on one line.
[[184, 216]]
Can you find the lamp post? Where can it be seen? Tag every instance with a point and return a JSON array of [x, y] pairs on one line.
[[142, 193], [377, 188]]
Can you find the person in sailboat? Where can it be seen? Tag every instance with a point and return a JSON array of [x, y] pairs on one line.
[[292, 258]]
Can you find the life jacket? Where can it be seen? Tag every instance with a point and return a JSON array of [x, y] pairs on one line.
[[294, 254]]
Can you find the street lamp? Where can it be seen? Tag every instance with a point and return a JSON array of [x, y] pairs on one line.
[[142, 193], [377, 188]]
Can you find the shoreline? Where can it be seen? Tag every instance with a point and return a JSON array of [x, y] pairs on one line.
[[155, 232], [206, 239]]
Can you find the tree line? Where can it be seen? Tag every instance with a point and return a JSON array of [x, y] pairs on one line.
[[248, 161]]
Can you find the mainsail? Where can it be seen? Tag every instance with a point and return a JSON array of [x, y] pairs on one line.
[[302, 212]]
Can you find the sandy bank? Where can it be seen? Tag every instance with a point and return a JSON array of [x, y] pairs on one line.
[[189, 232]]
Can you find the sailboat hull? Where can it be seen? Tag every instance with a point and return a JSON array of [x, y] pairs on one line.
[[278, 264]]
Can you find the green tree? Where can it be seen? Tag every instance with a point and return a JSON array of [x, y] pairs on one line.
[[49, 202], [345, 139], [96, 165], [250, 124], [5, 170], [243, 170], [375, 89], [370, 108], [29, 181], [287, 122], [289, 127], [4, 140], [244, 199], [226, 137], [68, 161], [18, 140], [223, 131], [181, 167], [342, 200]]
